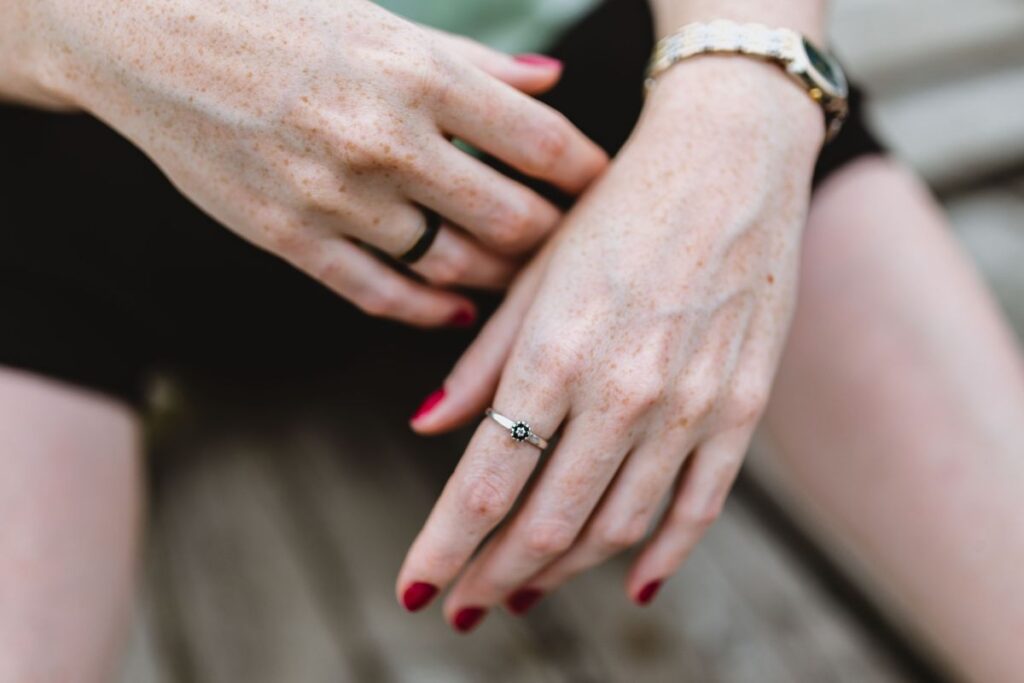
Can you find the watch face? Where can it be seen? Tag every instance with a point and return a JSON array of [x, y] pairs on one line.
[[826, 68]]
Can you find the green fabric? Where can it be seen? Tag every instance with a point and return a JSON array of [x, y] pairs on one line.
[[509, 25]]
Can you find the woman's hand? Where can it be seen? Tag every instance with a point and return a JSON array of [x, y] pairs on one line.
[[647, 331], [304, 125]]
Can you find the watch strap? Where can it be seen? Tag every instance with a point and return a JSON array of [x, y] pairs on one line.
[[776, 44], [780, 45]]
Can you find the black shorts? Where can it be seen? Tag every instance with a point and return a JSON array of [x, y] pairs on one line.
[[107, 273]]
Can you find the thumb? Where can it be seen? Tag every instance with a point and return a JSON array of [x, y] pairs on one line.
[[531, 73]]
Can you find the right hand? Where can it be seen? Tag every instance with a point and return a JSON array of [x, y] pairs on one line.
[[304, 125]]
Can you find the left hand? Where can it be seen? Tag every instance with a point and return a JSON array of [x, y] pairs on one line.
[[649, 331]]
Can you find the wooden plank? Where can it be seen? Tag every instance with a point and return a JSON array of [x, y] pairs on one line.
[[947, 80], [360, 512], [143, 661], [709, 623], [234, 603], [954, 132], [890, 608], [819, 640], [697, 629], [991, 226], [739, 610], [314, 540], [910, 44]]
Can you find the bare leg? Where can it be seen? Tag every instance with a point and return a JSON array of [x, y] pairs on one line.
[[898, 413], [69, 518]]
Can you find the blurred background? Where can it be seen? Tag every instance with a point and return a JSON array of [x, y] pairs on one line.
[[274, 541], [948, 92]]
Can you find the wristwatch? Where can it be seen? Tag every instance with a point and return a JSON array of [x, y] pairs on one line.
[[816, 70]]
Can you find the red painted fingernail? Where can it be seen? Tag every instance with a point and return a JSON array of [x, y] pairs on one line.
[[648, 592], [429, 404], [523, 599], [543, 61], [467, 618], [462, 318], [418, 595]]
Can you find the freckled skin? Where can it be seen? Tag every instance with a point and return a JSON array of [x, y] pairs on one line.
[[653, 321], [304, 124], [665, 297], [660, 252]]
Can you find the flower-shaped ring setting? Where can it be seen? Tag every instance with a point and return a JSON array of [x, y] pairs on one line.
[[519, 430]]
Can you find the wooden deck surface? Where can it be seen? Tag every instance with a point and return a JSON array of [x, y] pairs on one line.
[[273, 548], [273, 554]]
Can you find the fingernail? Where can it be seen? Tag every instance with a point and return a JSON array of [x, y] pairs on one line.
[[467, 618], [429, 404], [648, 592], [462, 318], [523, 599], [543, 61], [418, 595]]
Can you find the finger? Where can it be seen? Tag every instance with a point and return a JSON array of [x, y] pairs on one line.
[[733, 401], [524, 133], [642, 484], [622, 519], [486, 482], [697, 504], [530, 73], [382, 220], [471, 384], [454, 259], [503, 214], [377, 289], [566, 492]]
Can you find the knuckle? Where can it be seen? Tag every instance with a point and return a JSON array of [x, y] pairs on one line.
[[548, 141], [285, 238], [547, 538], [317, 197], [597, 161], [556, 357], [376, 302], [360, 151], [486, 497], [371, 142], [451, 269], [301, 113], [696, 400], [425, 77], [618, 536], [312, 186], [439, 559], [490, 108], [331, 273], [701, 515], [747, 401], [634, 392], [510, 226], [411, 160]]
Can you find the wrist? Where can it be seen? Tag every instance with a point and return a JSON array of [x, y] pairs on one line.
[[737, 99], [719, 136]]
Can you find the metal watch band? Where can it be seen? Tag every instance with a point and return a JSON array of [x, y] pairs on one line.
[[780, 45], [757, 40]]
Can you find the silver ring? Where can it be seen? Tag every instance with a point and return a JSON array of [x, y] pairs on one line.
[[518, 430]]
